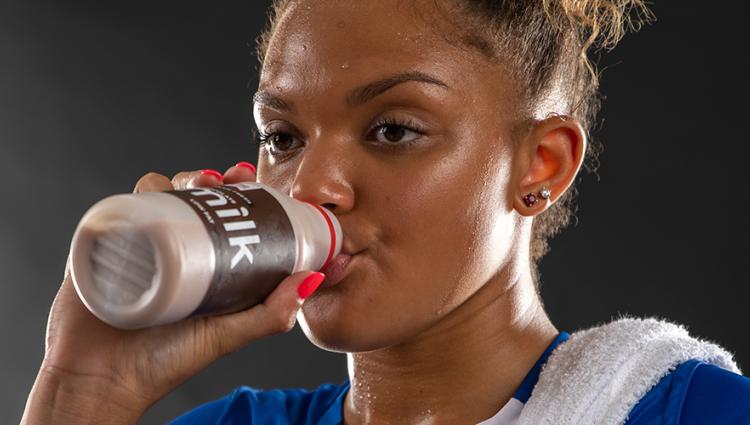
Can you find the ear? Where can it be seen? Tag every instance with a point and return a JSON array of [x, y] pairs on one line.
[[550, 157]]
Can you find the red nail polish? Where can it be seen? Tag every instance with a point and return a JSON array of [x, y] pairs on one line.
[[214, 173], [248, 165], [310, 284]]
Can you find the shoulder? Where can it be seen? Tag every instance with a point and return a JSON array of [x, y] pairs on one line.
[[716, 393], [248, 405], [695, 393]]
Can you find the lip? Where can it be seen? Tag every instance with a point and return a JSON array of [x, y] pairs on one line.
[[336, 270]]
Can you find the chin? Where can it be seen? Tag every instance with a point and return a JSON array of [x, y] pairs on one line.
[[344, 329], [338, 342]]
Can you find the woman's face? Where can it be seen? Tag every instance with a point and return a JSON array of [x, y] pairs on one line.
[[417, 167]]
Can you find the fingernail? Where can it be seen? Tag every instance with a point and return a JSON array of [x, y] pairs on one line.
[[310, 284], [246, 164], [214, 173]]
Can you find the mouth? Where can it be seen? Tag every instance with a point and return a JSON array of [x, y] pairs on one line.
[[337, 269]]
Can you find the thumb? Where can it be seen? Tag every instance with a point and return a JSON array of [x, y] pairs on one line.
[[276, 314]]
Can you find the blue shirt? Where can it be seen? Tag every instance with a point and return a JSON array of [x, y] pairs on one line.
[[695, 393]]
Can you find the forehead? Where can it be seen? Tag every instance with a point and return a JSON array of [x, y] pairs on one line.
[[325, 44]]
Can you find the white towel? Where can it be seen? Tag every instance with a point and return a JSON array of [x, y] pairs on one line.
[[600, 374]]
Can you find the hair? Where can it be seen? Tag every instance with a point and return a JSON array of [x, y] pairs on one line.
[[547, 46]]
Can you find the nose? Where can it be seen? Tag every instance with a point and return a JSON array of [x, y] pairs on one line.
[[321, 177]]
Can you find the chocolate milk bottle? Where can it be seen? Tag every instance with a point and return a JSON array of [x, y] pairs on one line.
[[146, 259]]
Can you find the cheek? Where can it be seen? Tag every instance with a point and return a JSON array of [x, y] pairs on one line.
[[445, 229], [274, 175]]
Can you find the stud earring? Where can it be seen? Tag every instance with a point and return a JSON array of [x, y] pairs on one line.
[[531, 198]]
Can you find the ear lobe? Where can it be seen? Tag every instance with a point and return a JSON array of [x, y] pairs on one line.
[[556, 148]]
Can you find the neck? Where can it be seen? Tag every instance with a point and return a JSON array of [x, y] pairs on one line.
[[462, 370]]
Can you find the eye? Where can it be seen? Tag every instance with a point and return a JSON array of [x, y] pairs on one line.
[[388, 132], [277, 143], [395, 132]]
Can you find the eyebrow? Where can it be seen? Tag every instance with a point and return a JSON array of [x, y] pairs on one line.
[[359, 95]]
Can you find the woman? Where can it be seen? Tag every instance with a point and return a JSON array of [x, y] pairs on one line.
[[446, 137]]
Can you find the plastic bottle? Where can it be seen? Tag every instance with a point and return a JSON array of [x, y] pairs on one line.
[[146, 259]]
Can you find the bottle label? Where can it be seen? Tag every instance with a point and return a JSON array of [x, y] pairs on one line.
[[253, 240]]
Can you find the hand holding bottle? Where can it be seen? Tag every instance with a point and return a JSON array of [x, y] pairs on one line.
[[92, 371]]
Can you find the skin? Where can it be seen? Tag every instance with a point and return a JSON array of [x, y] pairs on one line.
[[442, 281], [438, 299]]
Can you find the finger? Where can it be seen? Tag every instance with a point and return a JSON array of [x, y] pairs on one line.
[[241, 172], [152, 182], [201, 178], [276, 314]]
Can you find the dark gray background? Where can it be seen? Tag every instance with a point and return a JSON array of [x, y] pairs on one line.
[[95, 94]]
